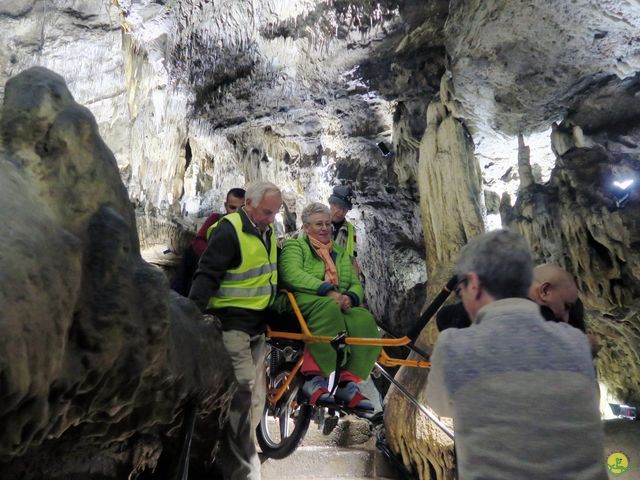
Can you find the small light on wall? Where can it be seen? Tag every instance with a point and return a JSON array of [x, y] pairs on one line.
[[621, 191], [384, 149], [624, 184]]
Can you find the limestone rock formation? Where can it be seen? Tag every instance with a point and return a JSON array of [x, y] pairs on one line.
[[197, 96], [449, 180], [517, 66], [582, 221], [97, 359]]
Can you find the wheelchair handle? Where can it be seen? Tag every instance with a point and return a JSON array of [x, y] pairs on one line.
[[433, 307]]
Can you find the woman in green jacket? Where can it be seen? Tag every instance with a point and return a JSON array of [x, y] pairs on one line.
[[328, 292]]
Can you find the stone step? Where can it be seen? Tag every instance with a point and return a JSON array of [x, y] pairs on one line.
[[347, 452], [315, 463]]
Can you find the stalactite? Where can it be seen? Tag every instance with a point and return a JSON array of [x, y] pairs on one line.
[[524, 164]]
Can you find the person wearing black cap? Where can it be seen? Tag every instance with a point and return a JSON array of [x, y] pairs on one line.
[[344, 234]]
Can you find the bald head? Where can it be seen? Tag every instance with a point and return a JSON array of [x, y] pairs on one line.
[[553, 274], [555, 288]]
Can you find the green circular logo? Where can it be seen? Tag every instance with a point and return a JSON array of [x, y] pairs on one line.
[[618, 463]]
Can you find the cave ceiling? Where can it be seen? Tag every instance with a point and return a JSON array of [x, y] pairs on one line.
[[305, 68], [195, 97]]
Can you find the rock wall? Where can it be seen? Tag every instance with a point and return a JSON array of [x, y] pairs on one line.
[[579, 219], [450, 189], [517, 66], [582, 221], [96, 357], [195, 97]]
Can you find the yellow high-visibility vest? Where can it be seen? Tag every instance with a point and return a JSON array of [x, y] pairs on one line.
[[253, 284], [350, 247]]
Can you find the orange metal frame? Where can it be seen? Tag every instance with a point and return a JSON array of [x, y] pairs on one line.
[[307, 337]]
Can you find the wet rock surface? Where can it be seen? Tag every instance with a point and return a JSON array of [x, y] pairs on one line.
[[98, 360]]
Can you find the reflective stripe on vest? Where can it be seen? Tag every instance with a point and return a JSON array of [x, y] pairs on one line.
[[251, 285], [350, 247]]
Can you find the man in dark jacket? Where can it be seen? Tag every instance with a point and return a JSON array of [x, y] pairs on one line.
[[340, 202], [236, 281], [552, 288]]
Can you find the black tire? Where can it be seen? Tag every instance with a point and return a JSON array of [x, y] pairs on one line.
[[280, 440]]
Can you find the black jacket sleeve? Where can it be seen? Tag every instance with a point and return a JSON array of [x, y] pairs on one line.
[[452, 316], [222, 253]]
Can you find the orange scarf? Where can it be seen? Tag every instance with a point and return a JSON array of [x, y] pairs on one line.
[[324, 251]]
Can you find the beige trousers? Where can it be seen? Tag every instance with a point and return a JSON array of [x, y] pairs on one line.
[[238, 455]]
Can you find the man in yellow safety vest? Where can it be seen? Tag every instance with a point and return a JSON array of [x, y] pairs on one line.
[[236, 281]]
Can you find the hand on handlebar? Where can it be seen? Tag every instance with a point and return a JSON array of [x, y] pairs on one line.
[[209, 319]]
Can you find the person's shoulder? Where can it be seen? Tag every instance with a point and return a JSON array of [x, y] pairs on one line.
[[240, 215], [295, 242], [209, 221], [460, 338], [450, 336], [230, 217], [223, 228], [214, 217], [566, 330], [570, 337], [449, 344], [339, 249]]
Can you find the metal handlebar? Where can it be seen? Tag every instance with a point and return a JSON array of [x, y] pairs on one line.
[[433, 307], [434, 418]]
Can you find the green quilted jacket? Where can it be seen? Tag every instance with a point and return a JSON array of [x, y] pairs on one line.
[[300, 269]]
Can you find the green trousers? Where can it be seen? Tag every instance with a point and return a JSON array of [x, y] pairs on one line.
[[324, 317]]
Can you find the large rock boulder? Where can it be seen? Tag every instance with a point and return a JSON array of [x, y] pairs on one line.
[[97, 358]]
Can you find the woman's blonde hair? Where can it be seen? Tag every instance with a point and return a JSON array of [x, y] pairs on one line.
[[312, 208]]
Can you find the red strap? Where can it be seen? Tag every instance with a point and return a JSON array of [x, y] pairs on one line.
[[317, 394], [309, 366], [353, 403]]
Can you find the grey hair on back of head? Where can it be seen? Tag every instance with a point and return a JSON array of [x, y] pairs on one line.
[[502, 261], [256, 191], [312, 208]]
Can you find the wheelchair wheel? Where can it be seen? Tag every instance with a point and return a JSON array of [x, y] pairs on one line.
[[283, 427]]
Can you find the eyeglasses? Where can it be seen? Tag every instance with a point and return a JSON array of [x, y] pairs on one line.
[[458, 287], [319, 225]]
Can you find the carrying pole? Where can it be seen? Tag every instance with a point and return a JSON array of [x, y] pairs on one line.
[[188, 424], [413, 334], [434, 418]]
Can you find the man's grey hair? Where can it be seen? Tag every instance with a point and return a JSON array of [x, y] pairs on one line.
[[258, 189], [312, 208], [502, 261]]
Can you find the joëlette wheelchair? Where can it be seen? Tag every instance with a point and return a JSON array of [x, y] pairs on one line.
[[287, 414]]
